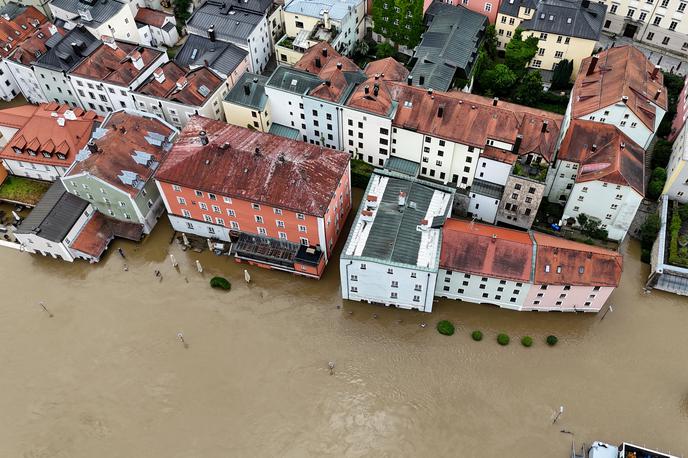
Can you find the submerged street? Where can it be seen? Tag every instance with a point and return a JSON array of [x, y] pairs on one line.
[[107, 375]]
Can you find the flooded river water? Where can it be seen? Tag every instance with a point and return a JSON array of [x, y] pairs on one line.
[[107, 377]]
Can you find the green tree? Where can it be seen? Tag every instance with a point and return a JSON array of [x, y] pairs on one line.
[[649, 230], [591, 227], [181, 11], [529, 89], [656, 185], [661, 153], [498, 80], [561, 75], [385, 50], [400, 21], [519, 52], [490, 42]]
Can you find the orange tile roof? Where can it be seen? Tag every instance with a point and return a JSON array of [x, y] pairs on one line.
[[39, 129], [388, 69], [483, 249], [366, 97], [616, 158], [322, 60], [94, 237], [124, 135], [254, 166], [189, 93], [16, 30], [116, 65], [621, 71], [152, 17], [573, 263], [500, 155], [319, 54]]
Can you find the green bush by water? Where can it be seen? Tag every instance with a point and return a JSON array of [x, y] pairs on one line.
[[503, 339], [477, 336], [445, 327], [220, 283]]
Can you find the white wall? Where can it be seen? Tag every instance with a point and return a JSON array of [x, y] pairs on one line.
[[289, 112], [481, 289], [199, 228], [33, 170], [492, 171], [8, 86], [373, 128], [259, 46], [317, 122], [563, 177], [178, 114], [624, 118], [677, 171], [26, 82], [56, 86], [483, 207]]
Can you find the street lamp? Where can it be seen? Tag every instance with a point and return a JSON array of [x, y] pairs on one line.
[[561, 411]]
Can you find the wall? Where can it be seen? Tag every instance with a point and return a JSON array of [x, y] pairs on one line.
[[8, 86], [259, 47], [481, 289], [562, 181], [38, 245], [337, 211], [32, 170], [559, 47], [525, 196], [493, 171], [243, 116], [26, 82], [676, 185], [56, 87], [291, 108], [626, 121], [321, 125], [484, 208], [567, 298], [375, 129]]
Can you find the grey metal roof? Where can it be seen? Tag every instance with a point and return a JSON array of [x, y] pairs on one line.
[[12, 10], [63, 57], [292, 80], [510, 7], [566, 17], [54, 215], [450, 44], [101, 11], [256, 98], [222, 57], [233, 20], [168, 26], [397, 164], [485, 188], [285, 131], [337, 9]]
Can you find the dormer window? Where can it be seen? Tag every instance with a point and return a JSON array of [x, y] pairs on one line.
[[47, 154], [31, 152], [17, 150], [61, 156]]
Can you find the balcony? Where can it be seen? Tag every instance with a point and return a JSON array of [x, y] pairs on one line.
[[278, 253]]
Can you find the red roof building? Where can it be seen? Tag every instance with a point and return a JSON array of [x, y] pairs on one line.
[[283, 202], [14, 30], [45, 139]]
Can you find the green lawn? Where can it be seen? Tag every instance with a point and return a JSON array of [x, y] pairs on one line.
[[23, 190]]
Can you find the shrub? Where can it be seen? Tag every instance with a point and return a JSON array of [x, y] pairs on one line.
[[527, 341], [445, 328], [360, 173], [656, 185], [477, 336], [221, 283], [503, 339], [551, 340]]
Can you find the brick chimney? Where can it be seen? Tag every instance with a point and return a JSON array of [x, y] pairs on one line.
[[593, 64]]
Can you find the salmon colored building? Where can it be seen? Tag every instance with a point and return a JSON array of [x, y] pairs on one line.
[[281, 203]]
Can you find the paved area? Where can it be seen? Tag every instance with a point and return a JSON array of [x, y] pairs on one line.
[[669, 62]]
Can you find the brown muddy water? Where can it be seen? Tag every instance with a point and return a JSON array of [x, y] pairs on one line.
[[107, 377]]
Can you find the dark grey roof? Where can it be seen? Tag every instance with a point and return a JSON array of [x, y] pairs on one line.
[[54, 215], [486, 188], [256, 98], [284, 131], [292, 80], [567, 17], [510, 7], [63, 56], [168, 26], [233, 20], [12, 10], [220, 56], [450, 44], [397, 164], [101, 11]]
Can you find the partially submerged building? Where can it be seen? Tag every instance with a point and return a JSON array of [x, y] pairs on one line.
[[666, 274]]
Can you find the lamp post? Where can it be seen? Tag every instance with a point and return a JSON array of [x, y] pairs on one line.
[[561, 411]]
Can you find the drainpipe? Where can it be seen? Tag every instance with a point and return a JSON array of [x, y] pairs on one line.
[[346, 268], [427, 284]]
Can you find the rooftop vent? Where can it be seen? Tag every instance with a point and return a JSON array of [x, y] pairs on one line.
[[203, 136]]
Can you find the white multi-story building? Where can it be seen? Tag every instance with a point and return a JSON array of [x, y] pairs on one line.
[[599, 172], [676, 185], [621, 87], [393, 251], [156, 28], [113, 18]]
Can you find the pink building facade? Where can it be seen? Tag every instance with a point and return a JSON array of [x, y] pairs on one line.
[[488, 8]]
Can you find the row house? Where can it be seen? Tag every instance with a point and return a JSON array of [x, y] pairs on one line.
[[104, 80], [42, 141], [681, 116], [176, 94], [156, 28], [656, 23], [282, 203], [487, 8], [247, 105], [20, 61], [524, 271], [392, 254], [599, 171], [113, 18], [565, 30], [676, 186], [244, 24], [17, 23], [226, 59], [337, 22], [114, 172], [621, 87]]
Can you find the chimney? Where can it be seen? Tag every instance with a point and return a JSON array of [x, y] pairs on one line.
[[377, 76], [494, 238], [211, 33], [494, 101], [402, 198], [585, 4], [159, 75], [655, 72], [376, 89], [108, 40], [257, 151], [318, 64], [440, 111], [324, 52], [328, 83], [52, 29], [593, 64], [430, 91], [517, 144], [593, 148], [623, 145], [77, 46], [366, 89], [326, 20], [181, 83], [624, 99], [339, 65], [409, 80], [204, 137], [92, 147], [658, 93], [421, 80], [544, 126], [137, 60]]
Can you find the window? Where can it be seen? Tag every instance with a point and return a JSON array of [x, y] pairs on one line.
[[186, 213], [665, 41], [613, 9], [354, 277], [537, 63], [657, 20], [364, 266], [630, 12], [488, 7], [181, 200], [558, 54], [216, 209], [304, 241], [234, 225], [354, 289], [262, 231], [390, 271], [220, 221], [393, 295], [259, 219], [395, 284], [300, 216], [203, 206], [650, 36], [231, 212], [208, 218]]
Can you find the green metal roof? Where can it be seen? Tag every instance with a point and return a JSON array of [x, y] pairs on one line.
[[291, 80], [284, 131], [397, 164]]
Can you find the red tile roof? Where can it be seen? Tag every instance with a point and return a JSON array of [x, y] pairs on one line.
[[152, 17], [573, 263], [174, 83], [94, 237], [373, 95], [14, 31], [499, 155], [483, 249], [620, 71], [39, 128], [471, 119], [388, 69], [124, 135], [254, 166], [616, 158], [330, 66], [322, 52], [33, 47], [116, 65]]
